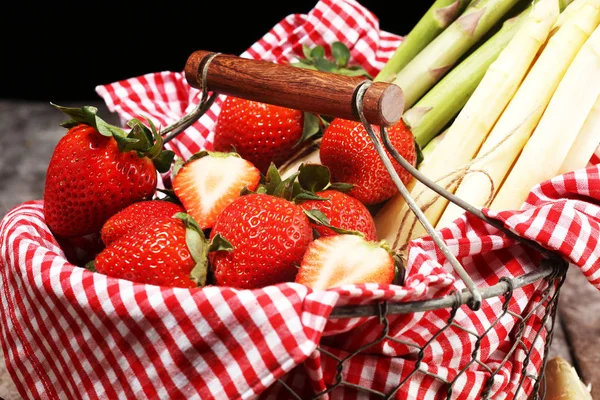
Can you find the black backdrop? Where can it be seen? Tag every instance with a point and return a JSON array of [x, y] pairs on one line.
[[57, 51]]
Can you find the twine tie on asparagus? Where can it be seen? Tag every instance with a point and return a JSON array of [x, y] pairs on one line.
[[459, 174]]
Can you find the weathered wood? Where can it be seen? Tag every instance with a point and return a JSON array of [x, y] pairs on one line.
[[579, 308], [288, 86]]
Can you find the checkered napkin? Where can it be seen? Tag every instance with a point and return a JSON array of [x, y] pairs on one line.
[[68, 333]]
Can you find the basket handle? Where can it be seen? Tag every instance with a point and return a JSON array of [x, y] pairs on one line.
[[288, 86]]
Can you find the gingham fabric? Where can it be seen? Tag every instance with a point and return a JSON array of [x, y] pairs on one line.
[[68, 333]]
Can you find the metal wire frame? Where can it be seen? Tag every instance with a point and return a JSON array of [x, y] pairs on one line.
[[552, 270]]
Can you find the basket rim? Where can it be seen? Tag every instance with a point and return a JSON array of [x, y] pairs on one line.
[[549, 269]]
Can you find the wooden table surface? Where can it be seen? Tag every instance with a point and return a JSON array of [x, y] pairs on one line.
[[30, 130]]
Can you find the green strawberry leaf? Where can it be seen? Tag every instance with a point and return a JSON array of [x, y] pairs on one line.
[[107, 129], [88, 115], [355, 70], [152, 136], [301, 195], [136, 140], [341, 187], [325, 65], [285, 189], [79, 115], [317, 52], [319, 218], [197, 156], [340, 53], [272, 179], [311, 128], [177, 164], [219, 243], [127, 144], [306, 50], [198, 247], [199, 273], [163, 161], [314, 177], [305, 65], [91, 266]]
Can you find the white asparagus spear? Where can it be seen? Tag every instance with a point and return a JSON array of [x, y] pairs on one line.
[[548, 146], [586, 142], [522, 114], [475, 120]]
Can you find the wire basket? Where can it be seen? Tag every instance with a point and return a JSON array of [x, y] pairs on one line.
[[551, 270]]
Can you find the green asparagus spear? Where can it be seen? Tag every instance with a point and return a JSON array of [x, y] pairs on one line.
[[431, 114], [439, 16], [441, 54]]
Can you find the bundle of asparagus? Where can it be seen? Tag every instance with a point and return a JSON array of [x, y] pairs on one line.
[[520, 106], [500, 95]]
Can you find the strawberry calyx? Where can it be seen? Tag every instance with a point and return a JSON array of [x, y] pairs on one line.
[[321, 219], [315, 59], [339, 63], [317, 177], [300, 186], [199, 247], [146, 141], [313, 127]]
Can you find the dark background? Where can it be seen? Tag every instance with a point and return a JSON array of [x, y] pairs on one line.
[[58, 52]]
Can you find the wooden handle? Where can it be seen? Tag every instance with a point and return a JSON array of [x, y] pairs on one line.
[[298, 88]]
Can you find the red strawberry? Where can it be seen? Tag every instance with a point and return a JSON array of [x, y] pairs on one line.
[[336, 260], [343, 211], [97, 170], [159, 253], [269, 236], [209, 182], [135, 216], [351, 157], [260, 133]]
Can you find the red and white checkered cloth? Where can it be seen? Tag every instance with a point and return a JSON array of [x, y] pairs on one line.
[[68, 333]]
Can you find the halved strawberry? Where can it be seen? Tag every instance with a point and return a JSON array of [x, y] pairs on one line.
[[210, 181], [336, 260]]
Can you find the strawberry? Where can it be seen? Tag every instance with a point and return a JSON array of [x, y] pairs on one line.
[[268, 236], [168, 251], [351, 156], [260, 133], [97, 170], [135, 216], [342, 211], [210, 181], [336, 260], [263, 133]]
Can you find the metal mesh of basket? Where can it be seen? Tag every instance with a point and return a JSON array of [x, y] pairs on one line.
[[551, 272]]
